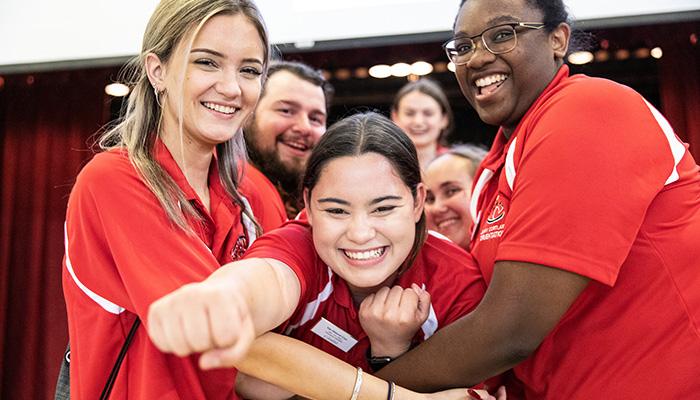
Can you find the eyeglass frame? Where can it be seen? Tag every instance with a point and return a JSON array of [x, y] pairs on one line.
[[513, 25]]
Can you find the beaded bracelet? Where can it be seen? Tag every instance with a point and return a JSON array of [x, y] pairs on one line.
[[358, 385]]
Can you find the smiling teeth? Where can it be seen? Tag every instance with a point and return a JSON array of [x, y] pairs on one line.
[[220, 108], [364, 255], [448, 222], [490, 80]]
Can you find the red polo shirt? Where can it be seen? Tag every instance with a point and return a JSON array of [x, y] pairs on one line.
[[446, 271], [122, 253], [271, 209], [594, 181]]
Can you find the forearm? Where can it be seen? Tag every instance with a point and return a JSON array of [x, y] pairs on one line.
[[250, 387], [521, 306], [269, 289], [309, 372], [459, 355]]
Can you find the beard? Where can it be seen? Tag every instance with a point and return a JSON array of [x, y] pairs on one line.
[[286, 178]]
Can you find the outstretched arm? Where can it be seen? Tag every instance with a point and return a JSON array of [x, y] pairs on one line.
[[309, 372], [521, 306], [226, 312]]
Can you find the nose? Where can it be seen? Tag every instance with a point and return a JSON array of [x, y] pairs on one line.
[[360, 229], [481, 56], [229, 86], [418, 119], [302, 124], [438, 207]]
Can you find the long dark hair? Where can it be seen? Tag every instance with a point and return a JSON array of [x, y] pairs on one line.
[[370, 133]]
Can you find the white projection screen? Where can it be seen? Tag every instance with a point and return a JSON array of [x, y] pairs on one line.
[[82, 31]]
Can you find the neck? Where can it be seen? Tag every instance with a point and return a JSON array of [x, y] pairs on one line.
[[193, 160], [426, 155]]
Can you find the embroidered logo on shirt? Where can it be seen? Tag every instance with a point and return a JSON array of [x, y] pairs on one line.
[[239, 247], [497, 212], [491, 230]]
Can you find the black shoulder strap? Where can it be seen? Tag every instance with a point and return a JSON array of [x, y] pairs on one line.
[[122, 353]]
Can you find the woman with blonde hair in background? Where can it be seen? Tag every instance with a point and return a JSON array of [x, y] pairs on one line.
[[448, 179]]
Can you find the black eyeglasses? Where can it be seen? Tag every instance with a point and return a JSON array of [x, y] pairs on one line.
[[497, 39]]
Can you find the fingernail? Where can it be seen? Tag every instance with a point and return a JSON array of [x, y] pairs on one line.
[[474, 394]]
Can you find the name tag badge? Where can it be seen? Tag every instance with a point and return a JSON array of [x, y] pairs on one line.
[[334, 335]]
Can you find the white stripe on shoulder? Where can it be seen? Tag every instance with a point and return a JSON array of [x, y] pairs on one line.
[[430, 326], [248, 224], [677, 147], [101, 301], [438, 235], [312, 307], [510, 165], [484, 177]]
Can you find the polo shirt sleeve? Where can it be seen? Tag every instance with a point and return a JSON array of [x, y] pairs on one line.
[[121, 249], [264, 200], [593, 160], [456, 283], [293, 245]]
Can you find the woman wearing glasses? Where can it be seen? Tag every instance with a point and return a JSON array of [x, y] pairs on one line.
[[587, 218]]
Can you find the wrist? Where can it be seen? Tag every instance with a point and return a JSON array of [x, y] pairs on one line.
[[377, 362], [393, 350]]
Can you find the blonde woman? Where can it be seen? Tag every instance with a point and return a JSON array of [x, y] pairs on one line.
[[160, 207]]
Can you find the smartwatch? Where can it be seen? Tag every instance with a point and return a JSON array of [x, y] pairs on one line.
[[377, 363]]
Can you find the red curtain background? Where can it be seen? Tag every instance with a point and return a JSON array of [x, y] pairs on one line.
[[679, 85], [45, 122]]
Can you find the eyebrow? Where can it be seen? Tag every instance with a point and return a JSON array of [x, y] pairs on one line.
[[448, 183], [501, 19], [347, 203], [333, 200], [221, 55], [296, 104]]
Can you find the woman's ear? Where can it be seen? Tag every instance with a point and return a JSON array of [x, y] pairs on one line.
[[419, 202], [559, 40], [155, 69], [307, 203]]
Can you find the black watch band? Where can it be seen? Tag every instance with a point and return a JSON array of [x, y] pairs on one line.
[[377, 363]]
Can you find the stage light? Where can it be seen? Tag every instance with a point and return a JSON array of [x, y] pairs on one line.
[[421, 68], [622, 54], [656, 52], [117, 89], [400, 69], [380, 71], [602, 56], [580, 57]]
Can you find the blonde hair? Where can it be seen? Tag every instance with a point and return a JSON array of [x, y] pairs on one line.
[[172, 22]]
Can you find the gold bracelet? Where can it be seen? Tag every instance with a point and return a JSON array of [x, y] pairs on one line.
[[358, 385]]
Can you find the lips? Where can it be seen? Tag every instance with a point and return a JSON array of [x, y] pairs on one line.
[[221, 108], [488, 84], [448, 223], [365, 255]]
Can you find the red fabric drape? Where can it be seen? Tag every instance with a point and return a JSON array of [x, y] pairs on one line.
[[45, 123], [679, 85]]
